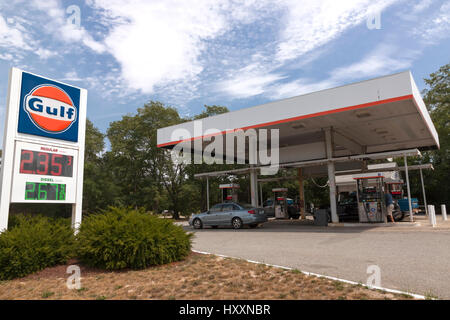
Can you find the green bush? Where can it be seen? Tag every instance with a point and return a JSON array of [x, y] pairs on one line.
[[121, 238], [34, 243]]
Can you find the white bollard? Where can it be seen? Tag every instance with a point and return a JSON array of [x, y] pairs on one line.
[[434, 216], [431, 215], [444, 212]]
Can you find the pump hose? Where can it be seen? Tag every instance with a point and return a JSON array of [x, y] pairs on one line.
[[324, 186]]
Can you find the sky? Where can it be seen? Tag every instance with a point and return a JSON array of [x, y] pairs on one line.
[[238, 54]]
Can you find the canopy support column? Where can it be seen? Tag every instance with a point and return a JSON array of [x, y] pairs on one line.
[[254, 187], [261, 200], [301, 190], [411, 218], [423, 192], [331, 175], [207, 193]]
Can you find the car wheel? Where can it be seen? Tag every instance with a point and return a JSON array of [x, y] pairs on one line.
[[197, 223], [398, 216], [236, 223]]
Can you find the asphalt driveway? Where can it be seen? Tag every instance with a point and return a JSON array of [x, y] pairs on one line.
[[413, 259]]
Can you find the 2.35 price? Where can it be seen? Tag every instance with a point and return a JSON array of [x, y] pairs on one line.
[[44, 163]]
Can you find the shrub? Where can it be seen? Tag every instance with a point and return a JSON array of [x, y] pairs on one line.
[[121, 238], [34, 243]]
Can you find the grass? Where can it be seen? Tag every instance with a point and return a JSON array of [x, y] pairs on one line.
[[429, 295], [47, 294], [197, 277]]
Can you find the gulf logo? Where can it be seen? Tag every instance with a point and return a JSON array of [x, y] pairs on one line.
[[50, 108]]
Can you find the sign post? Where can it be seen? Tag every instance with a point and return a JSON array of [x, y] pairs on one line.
[[43, 144]]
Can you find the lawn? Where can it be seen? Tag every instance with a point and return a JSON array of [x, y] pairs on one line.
[[198, 277]]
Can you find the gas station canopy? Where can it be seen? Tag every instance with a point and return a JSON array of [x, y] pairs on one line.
[[327, 131], [381, 114]]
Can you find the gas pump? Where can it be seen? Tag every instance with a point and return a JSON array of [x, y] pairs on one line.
[[395, 189], [229, 192], [280, 203], [370, 196]]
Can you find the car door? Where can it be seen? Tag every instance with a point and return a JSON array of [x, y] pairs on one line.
[[212, 217], [224, 217]]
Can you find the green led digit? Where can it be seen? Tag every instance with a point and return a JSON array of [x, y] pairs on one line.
[[56, 191], [62, 192], [40, 191], [27, 191]]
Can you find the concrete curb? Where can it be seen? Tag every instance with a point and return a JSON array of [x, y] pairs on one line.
[[416, 296], [377, 225]]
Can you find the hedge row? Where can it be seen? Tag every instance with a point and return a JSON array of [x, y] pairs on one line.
[[117, 238], [34, 243]]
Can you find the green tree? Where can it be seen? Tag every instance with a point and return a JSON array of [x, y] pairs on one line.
[[98, 189], [146, 173], [437, 99]]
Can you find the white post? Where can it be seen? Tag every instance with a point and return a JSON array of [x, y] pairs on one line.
[[331, 175], [411, 218], [431, 215], [423, 192], [207, 193], [443, 212], [78, 205], [261, 200], [8, 146], [254, 188]]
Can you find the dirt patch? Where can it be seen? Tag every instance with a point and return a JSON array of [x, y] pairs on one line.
[[197, 277]]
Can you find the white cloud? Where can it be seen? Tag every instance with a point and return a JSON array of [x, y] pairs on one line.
[[385, 59], [435, 27], [11, 36], [298, 87], [45, 53], [248, 85], [422, 5], [59, 27], [159, 42], [311, 24], [308, 26]]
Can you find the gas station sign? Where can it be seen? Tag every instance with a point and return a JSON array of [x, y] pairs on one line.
[[43, 144]]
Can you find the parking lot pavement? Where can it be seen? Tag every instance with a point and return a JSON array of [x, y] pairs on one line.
[[411, 258]]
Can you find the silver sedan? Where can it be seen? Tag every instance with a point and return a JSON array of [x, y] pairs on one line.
[[229, 214]]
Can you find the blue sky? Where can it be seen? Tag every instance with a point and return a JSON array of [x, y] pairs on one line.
[[234, 53]]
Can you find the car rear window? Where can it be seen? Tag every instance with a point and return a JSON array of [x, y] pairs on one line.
[[228, 207]]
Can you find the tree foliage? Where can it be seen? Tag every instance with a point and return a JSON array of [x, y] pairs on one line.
[[437, 99]]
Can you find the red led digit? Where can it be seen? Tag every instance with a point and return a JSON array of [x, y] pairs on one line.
[[26, 161], [69, 161], [43, 162], [58, 165]]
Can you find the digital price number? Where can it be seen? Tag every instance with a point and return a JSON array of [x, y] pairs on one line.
[[45, 191], [43, 163]]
